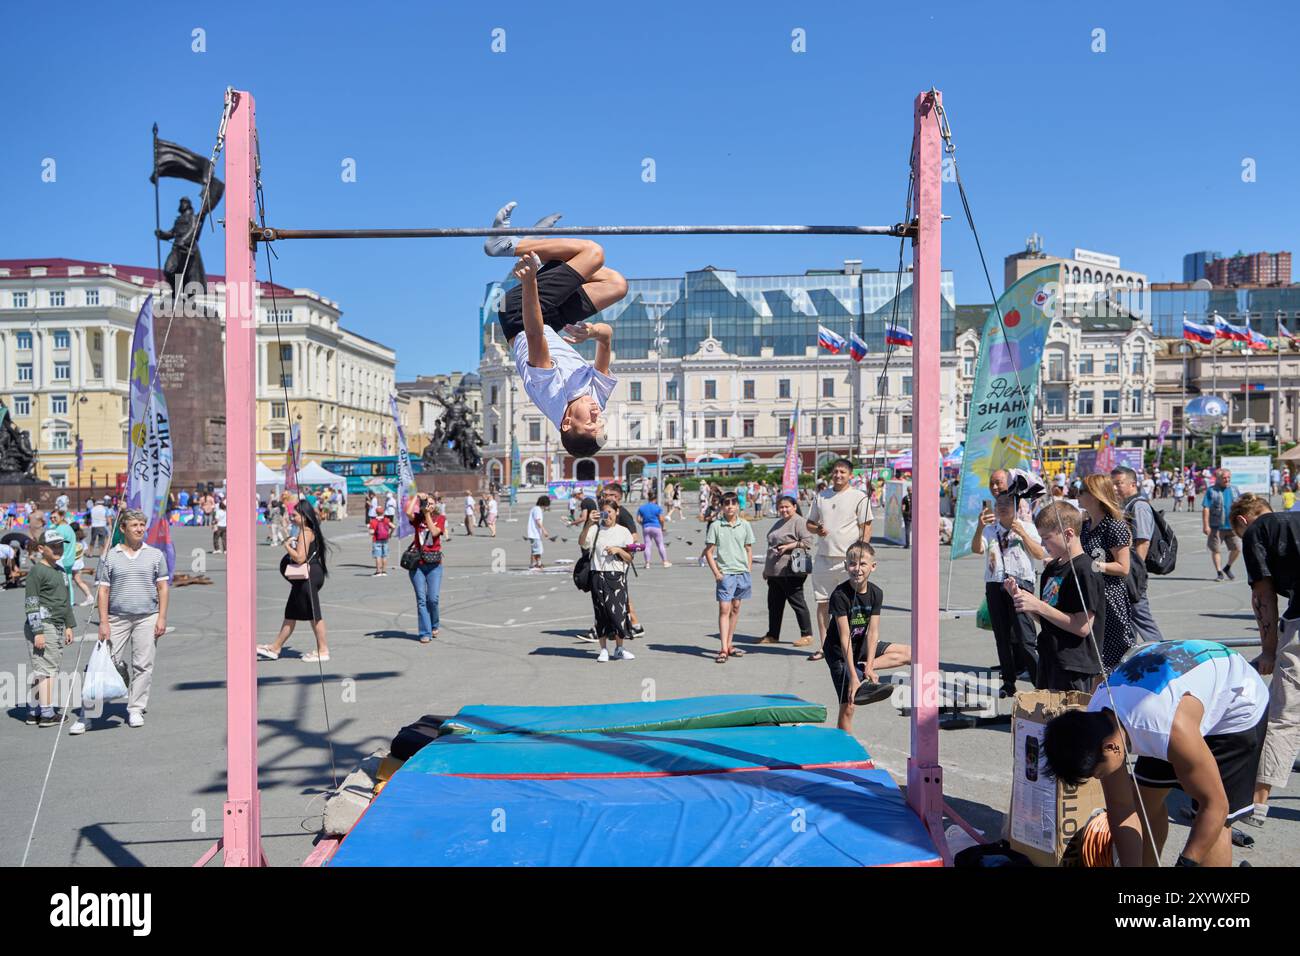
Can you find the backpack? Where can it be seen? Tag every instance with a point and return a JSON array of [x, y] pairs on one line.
[[1162, 553], [381, 530], [582, 567]]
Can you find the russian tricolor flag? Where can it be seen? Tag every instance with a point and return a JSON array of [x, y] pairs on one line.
[[857, 347], [1258, 341], [897, 336], [1224, 329], [829, 340], [1195, 332], [1283, 331]]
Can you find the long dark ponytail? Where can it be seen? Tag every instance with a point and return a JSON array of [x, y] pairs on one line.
[[312, 522]]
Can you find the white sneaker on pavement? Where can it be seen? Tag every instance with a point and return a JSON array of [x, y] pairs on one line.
[[623, 654], [77, 728], [603, 656], [135, 720]]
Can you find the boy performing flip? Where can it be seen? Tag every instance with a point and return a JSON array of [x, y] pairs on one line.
[[563, 283], [853, 649]]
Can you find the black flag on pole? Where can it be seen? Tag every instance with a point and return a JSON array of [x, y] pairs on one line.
[[177, 162]]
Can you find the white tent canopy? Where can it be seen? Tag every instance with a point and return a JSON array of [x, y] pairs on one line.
[[314, 474], [267, 476]]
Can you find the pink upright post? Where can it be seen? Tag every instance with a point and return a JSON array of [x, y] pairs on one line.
[[924, 775], [241, 833]]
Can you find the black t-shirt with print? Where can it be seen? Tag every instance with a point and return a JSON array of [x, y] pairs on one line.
[[1057, 588], [859, 609], [1271, 547], [626, 520]]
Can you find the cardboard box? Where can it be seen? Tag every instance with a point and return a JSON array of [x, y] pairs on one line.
[[1046, 814]]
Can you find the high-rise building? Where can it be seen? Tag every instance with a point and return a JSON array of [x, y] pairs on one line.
[[1194, 264], [1258, 268]]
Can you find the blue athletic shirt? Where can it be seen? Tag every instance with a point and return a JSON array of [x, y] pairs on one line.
[[650, 513], [1148, 687]]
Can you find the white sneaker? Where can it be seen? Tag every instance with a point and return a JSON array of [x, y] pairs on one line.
[[135, 720], [88, 602], [78, 728], [623, 654], [603, 656]]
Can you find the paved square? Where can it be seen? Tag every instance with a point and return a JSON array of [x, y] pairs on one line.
[[153, 796]]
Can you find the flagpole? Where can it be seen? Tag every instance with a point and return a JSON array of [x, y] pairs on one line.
[[1277, 397], [1249, 431], [157, 209], [1182, 428], [817, 408], [1214, 388]]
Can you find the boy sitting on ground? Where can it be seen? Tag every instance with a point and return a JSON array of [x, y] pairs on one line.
[[855, 636], [562, 283]]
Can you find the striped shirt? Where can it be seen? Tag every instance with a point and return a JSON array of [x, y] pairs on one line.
[[132, 581]]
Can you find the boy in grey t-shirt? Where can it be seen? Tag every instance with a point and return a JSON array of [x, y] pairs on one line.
[[563, 282]]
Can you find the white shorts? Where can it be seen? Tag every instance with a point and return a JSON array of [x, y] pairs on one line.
[[78, 565], [827, 575]]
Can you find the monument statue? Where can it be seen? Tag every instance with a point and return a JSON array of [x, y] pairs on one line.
[[17, 457], [456, 440], [184, 236]]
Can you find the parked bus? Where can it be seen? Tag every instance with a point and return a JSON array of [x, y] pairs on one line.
[[370, 474]]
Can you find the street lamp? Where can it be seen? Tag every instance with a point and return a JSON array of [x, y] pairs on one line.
[[79, 399], [659, 343]]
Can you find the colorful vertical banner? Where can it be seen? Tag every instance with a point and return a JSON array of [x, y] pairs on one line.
[[149, 457], [999, 430], [1106, 450], [406, 489], [1165, 425], [292, 459], [790, 474]]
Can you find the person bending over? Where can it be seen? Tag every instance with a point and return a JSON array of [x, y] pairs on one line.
[[562, 284], [1195, 714]]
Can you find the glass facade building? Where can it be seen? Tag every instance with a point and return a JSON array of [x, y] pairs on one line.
[[1164, 308], [1194, 264], [751, 313]]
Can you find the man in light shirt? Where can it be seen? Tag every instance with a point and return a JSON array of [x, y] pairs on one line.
[[840, 515]]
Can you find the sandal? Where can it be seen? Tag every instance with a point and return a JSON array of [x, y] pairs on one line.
[[803, 641], [426, 639], [313, 658], [265, 652], [815, 656], [721, 658], [737, 652]]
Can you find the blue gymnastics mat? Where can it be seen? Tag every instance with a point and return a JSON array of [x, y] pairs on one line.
[[639, 754], [687, 713], [759, 818]]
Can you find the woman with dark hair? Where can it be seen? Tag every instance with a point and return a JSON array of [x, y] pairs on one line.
[[785, 585], [1107, 538], [304, 568], [426, 577]]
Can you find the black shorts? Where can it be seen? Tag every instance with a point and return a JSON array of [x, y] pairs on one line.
[[1238, 758], [560, 293], [840, 672]]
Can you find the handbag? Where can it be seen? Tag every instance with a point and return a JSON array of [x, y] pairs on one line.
[[800, 562], [582, 571], [297, 572], [410, 559]]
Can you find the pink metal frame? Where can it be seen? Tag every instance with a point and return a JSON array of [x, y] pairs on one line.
[[241, 831]]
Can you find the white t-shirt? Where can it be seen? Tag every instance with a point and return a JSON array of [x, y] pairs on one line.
[[840, 514], [221, 517], [615, 537], [492, 507], [469, 505], [1005, 554], [1148, 687], [570, 377], [99, 517], [535, 522], [390, 506], [1148, 486]]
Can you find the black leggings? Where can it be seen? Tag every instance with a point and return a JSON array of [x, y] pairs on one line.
[[779, 591]]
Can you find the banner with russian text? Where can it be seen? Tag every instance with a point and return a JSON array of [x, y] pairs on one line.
[[790, 475], [406, 489], [149, 455], [999, 428]]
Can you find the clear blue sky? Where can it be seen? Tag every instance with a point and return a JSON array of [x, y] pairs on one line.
[[1136, 151]]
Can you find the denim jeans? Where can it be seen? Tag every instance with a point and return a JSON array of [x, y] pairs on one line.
[[427, 581]]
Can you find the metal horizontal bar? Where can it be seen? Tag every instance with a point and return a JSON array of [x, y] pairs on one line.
[[270, 233]]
